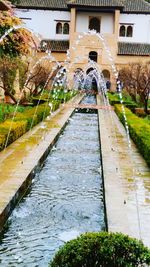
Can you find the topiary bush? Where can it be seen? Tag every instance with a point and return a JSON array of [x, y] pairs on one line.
[[102, 250], [139, 131]]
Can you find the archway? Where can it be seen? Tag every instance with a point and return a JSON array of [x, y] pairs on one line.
[[92, 86], [106, 74]]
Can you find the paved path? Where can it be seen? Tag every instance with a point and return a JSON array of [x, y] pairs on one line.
[[126, 180], [18, 160]]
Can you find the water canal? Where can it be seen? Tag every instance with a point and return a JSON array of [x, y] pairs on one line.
[[66, 198]]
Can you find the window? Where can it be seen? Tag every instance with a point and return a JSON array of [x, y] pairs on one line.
[[62, 27], [94, 24], [126, 30], [129, 31], [122, 32], [66, 28], [93, 56], [59, 28]]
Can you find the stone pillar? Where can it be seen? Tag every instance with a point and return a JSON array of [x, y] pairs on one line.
[[72, 25], [116, 23]]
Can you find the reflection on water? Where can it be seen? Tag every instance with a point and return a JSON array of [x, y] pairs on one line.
[[65, 200]]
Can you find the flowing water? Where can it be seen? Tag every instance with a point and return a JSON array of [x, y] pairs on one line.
[[65, 200]]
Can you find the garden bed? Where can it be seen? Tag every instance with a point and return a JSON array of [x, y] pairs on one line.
[[139, 130]]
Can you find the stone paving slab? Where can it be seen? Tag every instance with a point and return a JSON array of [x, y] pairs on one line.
[[126, 179], [18, 160]]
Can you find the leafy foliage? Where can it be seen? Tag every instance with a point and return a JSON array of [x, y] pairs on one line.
[[18, 41], [102, 250]]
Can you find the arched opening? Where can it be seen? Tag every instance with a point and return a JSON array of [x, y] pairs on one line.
[[93, 85], [78, 78], [106, 74], [59, 28], [93, 56], [122, 31], [66, 28], [94, 24], [89, 70], [129, 31]]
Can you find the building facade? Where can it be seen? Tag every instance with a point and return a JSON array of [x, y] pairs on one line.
[[120, 30]]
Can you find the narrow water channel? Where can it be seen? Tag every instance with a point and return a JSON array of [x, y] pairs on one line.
[[66, 198]]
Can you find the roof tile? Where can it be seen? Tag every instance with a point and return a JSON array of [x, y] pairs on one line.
[[54, 45], [135, 49]]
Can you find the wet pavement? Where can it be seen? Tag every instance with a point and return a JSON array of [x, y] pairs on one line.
[[126, 179]]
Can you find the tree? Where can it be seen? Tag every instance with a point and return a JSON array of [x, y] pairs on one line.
[[8, 71], [102, 250], [13, 45], [136, 80], [18, 41]]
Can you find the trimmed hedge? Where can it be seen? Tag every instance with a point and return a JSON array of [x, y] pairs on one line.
[[114, 99], [102, 250], [139, 131], [23, 122]]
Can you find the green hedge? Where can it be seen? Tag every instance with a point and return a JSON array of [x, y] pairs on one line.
[[23, 122], [102, 250], [139, 131], [114, 99]]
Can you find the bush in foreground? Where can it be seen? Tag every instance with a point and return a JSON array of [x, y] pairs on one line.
[[102, 250]]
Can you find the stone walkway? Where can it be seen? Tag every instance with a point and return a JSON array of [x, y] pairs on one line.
[[126, 180], [18, 160]]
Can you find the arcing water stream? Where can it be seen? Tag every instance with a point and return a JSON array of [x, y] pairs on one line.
[[66, 198]]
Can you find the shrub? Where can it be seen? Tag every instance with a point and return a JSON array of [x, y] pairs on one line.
[[139, 131], [22, 123], [102, 250]]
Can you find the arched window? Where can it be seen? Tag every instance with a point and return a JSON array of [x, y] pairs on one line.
[[59, 28], [106, 74], [122, 31], [93, 56], [94, 24], [129, 31], [66, 28]]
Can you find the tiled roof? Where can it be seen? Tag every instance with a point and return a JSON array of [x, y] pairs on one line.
[[136, 6], [43, 4], [135, 49], [130, 6], [96, 3], [54, 45]]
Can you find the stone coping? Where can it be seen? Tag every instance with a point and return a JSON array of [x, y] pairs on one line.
[[126, 179]]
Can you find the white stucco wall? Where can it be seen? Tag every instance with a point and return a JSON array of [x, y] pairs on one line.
[[107, 21], [141, 27], [44, 22]]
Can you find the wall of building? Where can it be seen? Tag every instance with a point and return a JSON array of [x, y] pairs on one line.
[[44, 22], [107, 21], [141, 27]]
